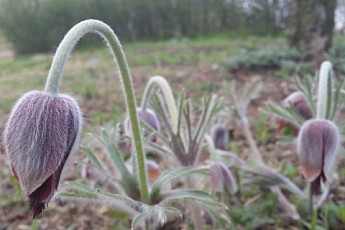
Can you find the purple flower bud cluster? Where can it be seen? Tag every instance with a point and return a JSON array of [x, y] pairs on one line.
[[40, 137]]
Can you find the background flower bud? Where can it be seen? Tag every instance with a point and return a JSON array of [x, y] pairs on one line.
[[220, 136], [317, 146], [150, 117], [221, 176], [39, 137], [300, 102]]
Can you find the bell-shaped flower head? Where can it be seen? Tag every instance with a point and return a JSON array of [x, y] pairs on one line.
[[220, 136], [39, 139], [317, 145], [149, 117], [221, 176]]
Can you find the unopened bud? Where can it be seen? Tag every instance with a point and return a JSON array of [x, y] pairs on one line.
[[220, 136], [221, 176], [317, 146], [300, 102], [39, 138]]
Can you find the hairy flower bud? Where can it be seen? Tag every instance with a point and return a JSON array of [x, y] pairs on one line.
[[150, 117], [39, 138], [221, 176], [220, 136], [317, 146], [299, 101]]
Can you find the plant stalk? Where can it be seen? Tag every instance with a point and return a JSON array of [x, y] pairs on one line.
[[310, 201], [168, 95], [58, 64], [251, 141], [198, 224], [289, 208]]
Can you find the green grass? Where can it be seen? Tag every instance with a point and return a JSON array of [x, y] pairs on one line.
[[98, 89]]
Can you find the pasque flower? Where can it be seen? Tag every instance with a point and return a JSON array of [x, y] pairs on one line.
[[299, 101], [220, 136], [39, 138], [222, 177], [317, 146]]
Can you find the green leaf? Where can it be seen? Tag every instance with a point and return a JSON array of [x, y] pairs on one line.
[[200, 197], [171, 174], [139, 219], [330, 100], [79, 190], [129, 181], [71, 227], [105, 137], [180, 111], [313, 221], [77, 194], [129, 201], [290, 114], [16, 185], [94, 160], [35, 225], [306, 89], [336, 101], [286, 139], [118, 161], [81, 187], [173, 211], [221, 219]]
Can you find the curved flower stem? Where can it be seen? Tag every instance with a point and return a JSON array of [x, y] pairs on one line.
[[284, 202], [249, 136], [56, 70], [167, 92], [324, 97]]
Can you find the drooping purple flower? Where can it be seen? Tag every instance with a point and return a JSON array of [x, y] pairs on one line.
[[317, 146], [300, 102], [220, 136], [39, 139], [221, 176], [150, 117]]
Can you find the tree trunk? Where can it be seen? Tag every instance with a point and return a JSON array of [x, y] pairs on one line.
[[310, 24]]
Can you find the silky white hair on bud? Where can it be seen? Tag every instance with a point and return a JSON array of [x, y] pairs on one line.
[[40, 137]]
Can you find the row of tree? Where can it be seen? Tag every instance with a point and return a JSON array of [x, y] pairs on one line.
[[38, 25]]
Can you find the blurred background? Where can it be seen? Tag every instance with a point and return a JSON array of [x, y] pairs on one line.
[[195, 44]]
